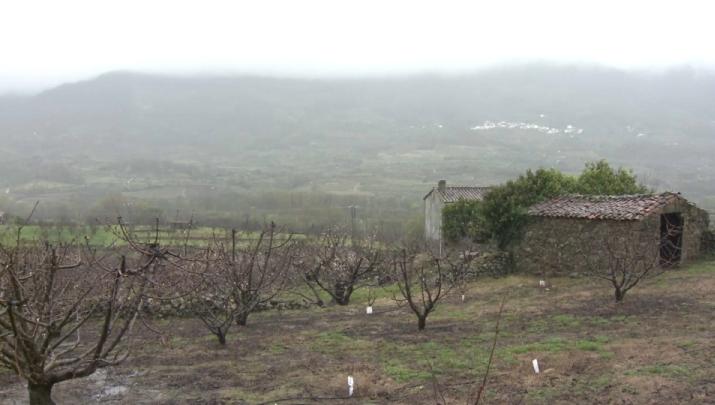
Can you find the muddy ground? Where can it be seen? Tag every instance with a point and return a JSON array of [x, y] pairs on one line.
[[657, 347]]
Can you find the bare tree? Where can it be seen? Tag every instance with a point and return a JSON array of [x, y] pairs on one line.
[[51, 293], [422, 282], [212, 301], [236, 279], [339, 265], [259, 270], [460, 266], [626, 260]]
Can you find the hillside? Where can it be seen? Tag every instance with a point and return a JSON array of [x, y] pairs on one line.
[[168, 140]]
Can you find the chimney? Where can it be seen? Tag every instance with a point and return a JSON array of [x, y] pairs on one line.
[[442, 186]]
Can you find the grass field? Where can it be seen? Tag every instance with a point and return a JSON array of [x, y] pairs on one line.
[[109, 235], [656, 347]]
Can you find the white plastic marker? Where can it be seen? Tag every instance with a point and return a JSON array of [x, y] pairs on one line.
[[368, 310], [542, 283], [351, 385], [462, 297], [535, 363]]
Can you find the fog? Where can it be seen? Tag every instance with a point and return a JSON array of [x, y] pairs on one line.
[[45, 43], [295, 110]]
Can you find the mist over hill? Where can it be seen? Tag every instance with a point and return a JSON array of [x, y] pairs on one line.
[[226, 144]]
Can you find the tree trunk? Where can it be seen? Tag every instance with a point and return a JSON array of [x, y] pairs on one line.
[[342, 300], [620, 294], [421, 322], [242, 318], [40, 394], [342, 293], [221, 338]]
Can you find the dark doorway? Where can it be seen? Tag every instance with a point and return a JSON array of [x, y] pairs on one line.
[[671, 238]]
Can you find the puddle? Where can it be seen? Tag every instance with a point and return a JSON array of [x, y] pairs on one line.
[[115, 390]]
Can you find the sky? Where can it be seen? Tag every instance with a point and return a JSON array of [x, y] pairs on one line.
[[44, 43]]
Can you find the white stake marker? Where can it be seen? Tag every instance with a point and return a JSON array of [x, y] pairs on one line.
[[368, 310], [351, 385], [462, 297], [535, 363]]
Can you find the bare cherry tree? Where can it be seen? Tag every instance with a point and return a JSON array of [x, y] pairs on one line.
[[212, 301], [238, 275], [422, 282], [258, 271], [51, 293], [338, 265], [627, 259], [460, 265]]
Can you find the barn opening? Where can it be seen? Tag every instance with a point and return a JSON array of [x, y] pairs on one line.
[[671, 238]]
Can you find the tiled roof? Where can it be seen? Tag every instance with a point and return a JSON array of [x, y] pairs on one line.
[[455, 193], [613, 207]]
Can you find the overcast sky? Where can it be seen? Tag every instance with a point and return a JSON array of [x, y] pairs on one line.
[[43, 43]]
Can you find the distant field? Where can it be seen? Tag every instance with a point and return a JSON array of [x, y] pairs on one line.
[[656, 347], [105, 236]]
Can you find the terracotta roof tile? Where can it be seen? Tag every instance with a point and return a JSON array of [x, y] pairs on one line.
[[618, 207]]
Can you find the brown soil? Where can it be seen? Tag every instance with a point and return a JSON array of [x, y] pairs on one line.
[[657, 347]]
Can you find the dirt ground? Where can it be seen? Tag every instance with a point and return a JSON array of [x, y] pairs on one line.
[[657, 347]]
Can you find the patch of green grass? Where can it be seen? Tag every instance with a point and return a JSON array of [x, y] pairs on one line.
[[332, 338], [603, 321], [444, 357], [566, 321], [386, 292], [550, 345], [335, 342], [210, 337], [599, 321], [402, 373], [672, 371], [541, 395], [453, 313], [277, 348], [594, 345], [599, 382], [538, 326], [581, 387], [702, 267], [590, 385], [687, 344], [405, 362], [178, 341], [561, 321], [555, 345], [619, 318], [588, 346]]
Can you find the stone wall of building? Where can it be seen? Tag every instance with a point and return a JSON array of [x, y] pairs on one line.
[[564, 246], [433, 217], [695, 228]]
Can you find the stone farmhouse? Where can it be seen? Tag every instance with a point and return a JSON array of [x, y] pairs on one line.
[[441, 196], [565, 234]]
